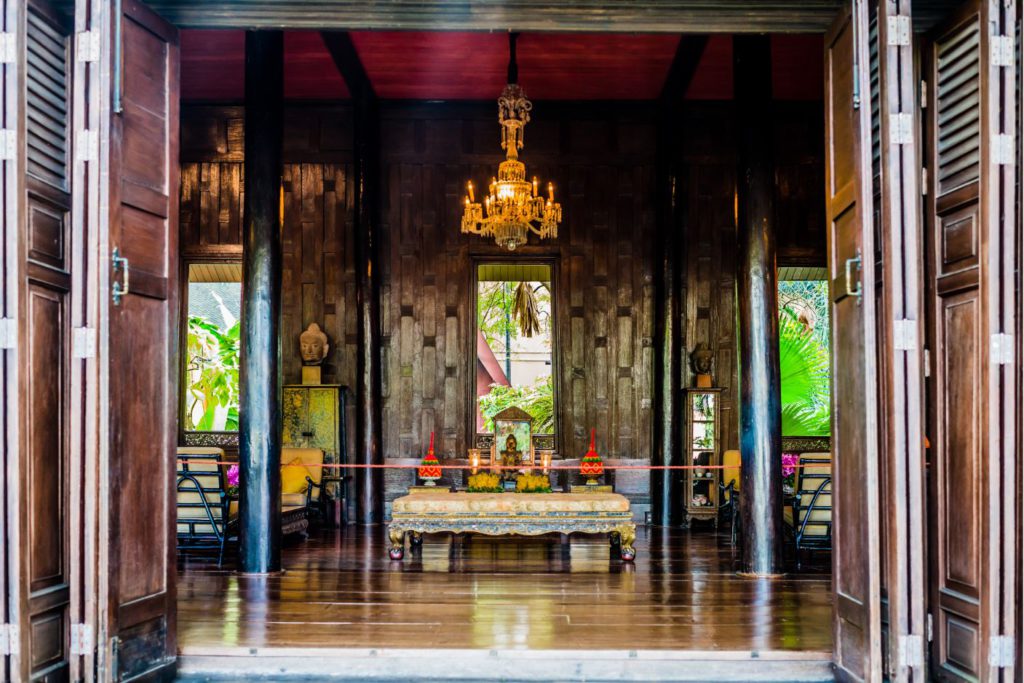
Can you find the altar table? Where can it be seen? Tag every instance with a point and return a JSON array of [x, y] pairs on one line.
[[526, 514]]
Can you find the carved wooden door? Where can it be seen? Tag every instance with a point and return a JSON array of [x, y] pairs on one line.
[[970, 156], [43, 383], [138, 341], [899, 301], [857, 648]]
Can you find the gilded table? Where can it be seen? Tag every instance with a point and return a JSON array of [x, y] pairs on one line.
[[497, 514]]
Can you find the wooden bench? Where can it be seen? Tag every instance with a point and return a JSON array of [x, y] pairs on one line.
[[498, 514]]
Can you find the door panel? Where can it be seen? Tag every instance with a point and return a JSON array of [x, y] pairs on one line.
[[44, 264], [138, 617], [971, 230], [899, 326], [857, 646]]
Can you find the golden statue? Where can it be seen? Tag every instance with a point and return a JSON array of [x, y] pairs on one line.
[[510, 457]]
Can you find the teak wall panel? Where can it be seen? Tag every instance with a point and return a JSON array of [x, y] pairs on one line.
[[318, 256], [603, 170], [603, 167]]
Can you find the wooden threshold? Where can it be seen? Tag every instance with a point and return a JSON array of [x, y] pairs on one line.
[[199, 662]]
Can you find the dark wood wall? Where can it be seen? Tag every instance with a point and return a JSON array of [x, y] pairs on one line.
[[318, 265], [705, 169], [602, 159]]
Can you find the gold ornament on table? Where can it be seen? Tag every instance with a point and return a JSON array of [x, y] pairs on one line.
[[513, 207]]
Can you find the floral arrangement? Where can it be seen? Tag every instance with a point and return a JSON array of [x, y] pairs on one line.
[[591, 466], [233, 474], [430, 468], [790, 461], [533, 483], [484, 482]]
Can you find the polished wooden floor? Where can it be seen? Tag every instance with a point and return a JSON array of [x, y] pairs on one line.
[[340, 590]]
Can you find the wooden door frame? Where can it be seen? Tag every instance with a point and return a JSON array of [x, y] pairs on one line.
[[13, 443], [544, 255], [901, 343]]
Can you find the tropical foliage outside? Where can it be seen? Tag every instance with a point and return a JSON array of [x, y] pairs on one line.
[[212, 376], [804, 359], [507, 311]]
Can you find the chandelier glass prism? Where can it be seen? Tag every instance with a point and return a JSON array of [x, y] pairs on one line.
[[512, 207]]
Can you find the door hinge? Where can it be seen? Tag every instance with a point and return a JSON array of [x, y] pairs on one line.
[[8, 144], [924, 94], [1001, 651], [910, 651], [1003, 152], [924, 180], [83, 641], [9, 640], [928, 373], [8, 333], [87, 47], [899, 31], [904, 334], [8, 48], [87, 145], [1001, 349], [83, 342], [928, 618], [901, 129], [1002, 50]]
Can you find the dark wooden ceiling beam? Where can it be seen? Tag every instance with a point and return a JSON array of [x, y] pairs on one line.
[[346, 58], [684, 66], [664, 16]]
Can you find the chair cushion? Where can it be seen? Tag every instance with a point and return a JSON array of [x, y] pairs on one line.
[[293, 499], [312, 458], [293, 477], [731, 468]]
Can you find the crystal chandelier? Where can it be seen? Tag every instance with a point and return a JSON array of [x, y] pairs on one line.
[[512, 208]]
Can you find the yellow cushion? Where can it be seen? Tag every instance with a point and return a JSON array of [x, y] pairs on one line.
[[731, 468], [293, 477], [312, 458], [787, 515]]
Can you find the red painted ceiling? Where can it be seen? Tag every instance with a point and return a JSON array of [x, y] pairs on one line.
[[471, 66]]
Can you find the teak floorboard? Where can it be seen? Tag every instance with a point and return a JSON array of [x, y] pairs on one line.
[[340, 590]]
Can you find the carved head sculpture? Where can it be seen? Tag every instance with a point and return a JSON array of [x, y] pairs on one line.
[[701, 359], [313, 345], [511, 444]]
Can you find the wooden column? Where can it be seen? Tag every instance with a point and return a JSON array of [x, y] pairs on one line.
[[667, 500], [369, 482], [757, 307], [260, 410]]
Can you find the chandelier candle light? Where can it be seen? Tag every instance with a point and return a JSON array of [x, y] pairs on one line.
[[512, 207]]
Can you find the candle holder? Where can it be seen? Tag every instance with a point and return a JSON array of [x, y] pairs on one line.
[[474, 459]]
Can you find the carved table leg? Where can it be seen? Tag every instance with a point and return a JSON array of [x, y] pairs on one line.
[[397, 537], [627, 534]]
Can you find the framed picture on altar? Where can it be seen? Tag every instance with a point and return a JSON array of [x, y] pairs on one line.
[[513, 432]]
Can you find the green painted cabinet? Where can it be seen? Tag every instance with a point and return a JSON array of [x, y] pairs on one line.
[[314, 417]]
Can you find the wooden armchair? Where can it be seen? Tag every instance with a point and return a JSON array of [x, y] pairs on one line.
[[204, 519], [809, 518]]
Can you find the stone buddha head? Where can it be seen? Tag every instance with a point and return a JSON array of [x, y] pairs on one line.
[[313, 345]]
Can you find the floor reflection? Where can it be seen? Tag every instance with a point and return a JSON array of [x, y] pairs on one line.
[[339, 589]]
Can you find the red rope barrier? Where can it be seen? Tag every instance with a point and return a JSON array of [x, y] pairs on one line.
[[491, 468]]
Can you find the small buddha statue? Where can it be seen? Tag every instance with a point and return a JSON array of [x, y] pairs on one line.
[[313, 346], [510, 457]]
